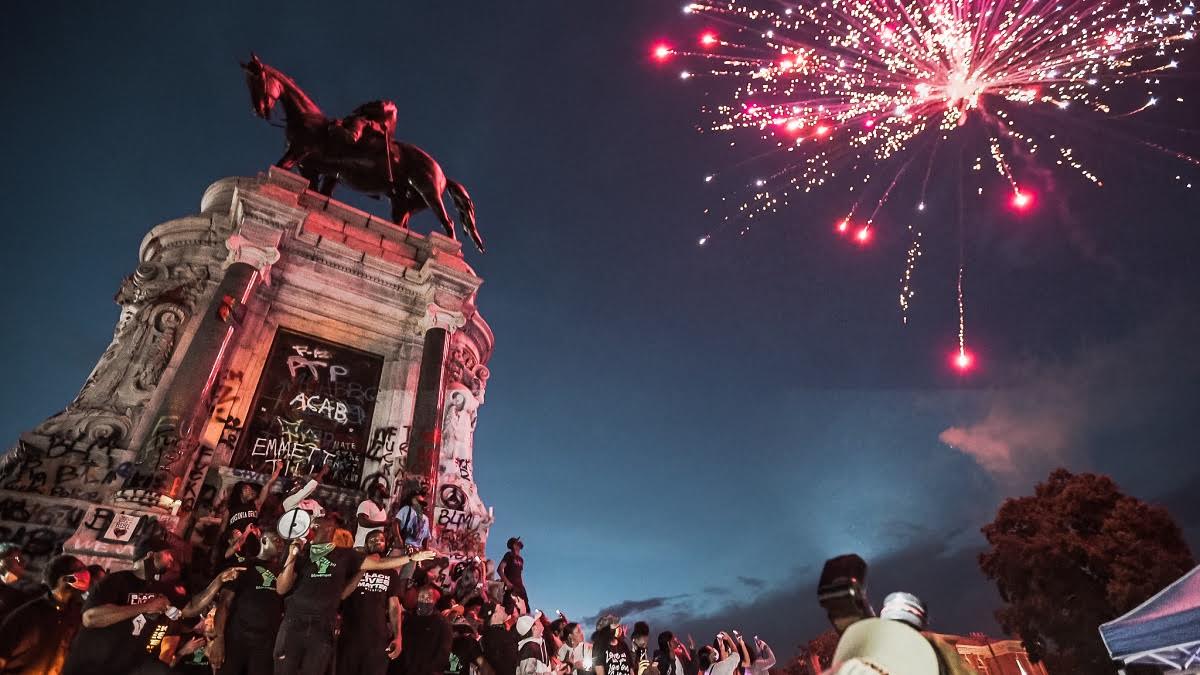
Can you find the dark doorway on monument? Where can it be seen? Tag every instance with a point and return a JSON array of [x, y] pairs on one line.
[[312, 409]]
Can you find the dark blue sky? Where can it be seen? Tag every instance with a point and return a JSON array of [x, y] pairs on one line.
[[683, 432]]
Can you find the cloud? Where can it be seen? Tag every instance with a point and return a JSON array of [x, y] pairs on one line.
[[1045, 413], [942, 573], [753, 582], [627, 607]]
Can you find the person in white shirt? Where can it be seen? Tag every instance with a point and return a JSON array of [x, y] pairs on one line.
[[372, 513], [723, 659], [575, 650], [765, 660]]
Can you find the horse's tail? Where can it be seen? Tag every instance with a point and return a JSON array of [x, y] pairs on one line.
[[466, 211]]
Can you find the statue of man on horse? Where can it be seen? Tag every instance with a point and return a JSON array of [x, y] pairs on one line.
[[359, 150]]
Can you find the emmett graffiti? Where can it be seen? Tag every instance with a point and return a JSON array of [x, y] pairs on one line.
[[312, 410]]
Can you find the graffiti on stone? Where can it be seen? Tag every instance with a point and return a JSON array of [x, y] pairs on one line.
[[312, 410]]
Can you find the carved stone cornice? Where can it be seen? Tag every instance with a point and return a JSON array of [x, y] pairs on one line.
[[256, 245], [440, 317]]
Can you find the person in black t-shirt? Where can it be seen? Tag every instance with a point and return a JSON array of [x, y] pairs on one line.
[[427, 638], [498, 642], [370, 632], [465, 650], [312, 581], [127, 615], [12, 569], [512, 570], [610, 654], [248, 614], [243, 508], [35, 637]]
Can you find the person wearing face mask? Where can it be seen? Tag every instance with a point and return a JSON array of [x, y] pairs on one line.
[[312, 581], [427, 639], [127, 615], [248, 614], [12, 570], [35, 636], [371, 624]]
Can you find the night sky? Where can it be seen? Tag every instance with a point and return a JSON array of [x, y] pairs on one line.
[[685, 433]]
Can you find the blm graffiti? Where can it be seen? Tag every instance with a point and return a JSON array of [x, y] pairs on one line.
[[312, 410]]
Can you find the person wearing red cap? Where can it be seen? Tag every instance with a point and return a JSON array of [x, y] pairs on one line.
[[35, 637]]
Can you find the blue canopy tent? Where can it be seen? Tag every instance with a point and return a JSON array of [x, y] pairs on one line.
[[1163, 631]]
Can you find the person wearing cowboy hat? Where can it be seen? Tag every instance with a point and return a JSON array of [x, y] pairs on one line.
[[512, 570]]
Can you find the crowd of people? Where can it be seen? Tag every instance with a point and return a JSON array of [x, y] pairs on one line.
[[365, 597]]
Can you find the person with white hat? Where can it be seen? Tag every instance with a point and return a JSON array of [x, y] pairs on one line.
[[531, 649]]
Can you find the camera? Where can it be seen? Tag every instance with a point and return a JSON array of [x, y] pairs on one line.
[[842, 591]]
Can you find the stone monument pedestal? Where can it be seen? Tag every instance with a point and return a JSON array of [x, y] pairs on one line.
[[275, 327]]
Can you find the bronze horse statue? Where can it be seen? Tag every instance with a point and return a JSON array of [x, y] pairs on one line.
[[369, 161]]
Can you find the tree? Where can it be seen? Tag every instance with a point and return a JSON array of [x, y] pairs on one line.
[[815, 655], [1074, 555]]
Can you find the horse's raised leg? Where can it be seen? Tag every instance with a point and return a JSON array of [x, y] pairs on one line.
[[328, 183], [314, 177], [290, 158], [433, 200], [400, 212]]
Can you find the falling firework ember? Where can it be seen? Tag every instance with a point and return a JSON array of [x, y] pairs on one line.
[[855, 93]]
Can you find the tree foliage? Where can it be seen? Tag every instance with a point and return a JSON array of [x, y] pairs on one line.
[[1074, 555], [821, 648]]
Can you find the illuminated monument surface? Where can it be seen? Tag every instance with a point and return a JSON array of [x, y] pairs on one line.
[[275, 327]]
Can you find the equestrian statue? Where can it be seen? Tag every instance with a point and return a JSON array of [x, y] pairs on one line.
[[359, 150]]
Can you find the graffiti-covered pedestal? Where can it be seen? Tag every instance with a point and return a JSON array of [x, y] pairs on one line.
[[277, 327]]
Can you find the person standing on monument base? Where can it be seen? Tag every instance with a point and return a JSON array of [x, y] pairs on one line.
[[371, 623], [413, 523], [35, 637], [12, 570], [128, 614], [372, 513], [244, 506], [248, 614], [512, 570], [312, 581]]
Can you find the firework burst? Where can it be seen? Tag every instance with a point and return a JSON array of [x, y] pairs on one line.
[[859, 93]]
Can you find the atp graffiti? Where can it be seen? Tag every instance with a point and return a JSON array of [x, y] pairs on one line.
[[312, 409]]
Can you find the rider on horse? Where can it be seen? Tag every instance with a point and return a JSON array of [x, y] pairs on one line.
[[377, 116]]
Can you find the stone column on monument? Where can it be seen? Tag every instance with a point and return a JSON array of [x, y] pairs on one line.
[[176, 424], [426, 433]]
